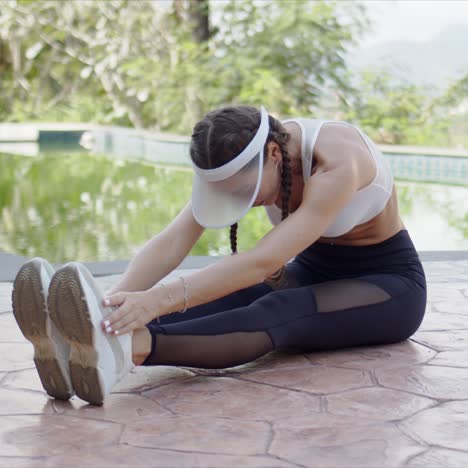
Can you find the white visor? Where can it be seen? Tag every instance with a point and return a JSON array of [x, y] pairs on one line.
[[222, 196]]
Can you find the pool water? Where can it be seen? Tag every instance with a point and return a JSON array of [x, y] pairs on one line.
[[79, 207]]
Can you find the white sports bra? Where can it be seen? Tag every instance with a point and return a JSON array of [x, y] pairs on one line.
[[365, 203]]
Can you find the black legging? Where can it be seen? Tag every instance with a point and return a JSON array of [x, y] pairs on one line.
[[336, 297]]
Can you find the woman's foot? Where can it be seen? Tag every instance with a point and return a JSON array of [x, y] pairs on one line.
[[51, 351], [98, 360]]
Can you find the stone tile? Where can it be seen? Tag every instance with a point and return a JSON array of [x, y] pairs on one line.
[[445, 272], [367, 403], [188, 417], [443, 321], [444, 266], [447, 340], [446, 278], [446, 292], [9, 330], [147, 377], [5, 296], [430, 381], [450, 359], [27, 379], [459, 285], [313, 379], [23, 402], [20, 462], [274, 360], [46, 435], [209, 396], [458, 266], [440, 273], [133, 457], [16, 356], [445, 426], [459, 307], [330, 441], [140, 381], [406, 353], [119, 408], [199, 434], [437, 457]]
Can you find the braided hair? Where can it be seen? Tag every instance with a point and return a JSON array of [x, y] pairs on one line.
[[222, 134]]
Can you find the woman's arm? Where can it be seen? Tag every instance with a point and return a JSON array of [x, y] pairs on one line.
[[161, 254], [325, 194], [324, 197]]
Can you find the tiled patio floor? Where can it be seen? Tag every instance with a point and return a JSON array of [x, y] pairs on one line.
[[390, 406]]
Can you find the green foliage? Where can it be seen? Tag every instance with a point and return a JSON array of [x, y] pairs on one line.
[[136, 63], [79, 207], [140, 64], [395, 112], [451, 107]]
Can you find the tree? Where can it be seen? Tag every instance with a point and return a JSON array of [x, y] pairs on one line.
[[452, 106], [393, 112], [162, 65]]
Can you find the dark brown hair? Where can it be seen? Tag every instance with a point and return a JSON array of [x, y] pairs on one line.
[[223, 133]]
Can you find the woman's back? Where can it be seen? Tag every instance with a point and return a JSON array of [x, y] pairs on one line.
[[371, 216]]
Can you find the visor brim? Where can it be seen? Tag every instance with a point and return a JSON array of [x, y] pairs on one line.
[[223, 203]]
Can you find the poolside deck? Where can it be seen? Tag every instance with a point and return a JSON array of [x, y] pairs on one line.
[[390, 406]]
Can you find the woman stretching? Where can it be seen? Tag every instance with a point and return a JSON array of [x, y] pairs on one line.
[[338, 269]]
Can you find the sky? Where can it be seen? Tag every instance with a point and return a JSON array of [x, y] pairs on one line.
[[414, 20]]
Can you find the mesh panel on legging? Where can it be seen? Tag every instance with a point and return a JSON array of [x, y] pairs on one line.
[[289, 318]]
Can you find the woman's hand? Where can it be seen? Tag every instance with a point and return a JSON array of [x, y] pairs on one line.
[[132, 310]]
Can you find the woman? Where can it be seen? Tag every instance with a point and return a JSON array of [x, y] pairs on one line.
[[337, 270]]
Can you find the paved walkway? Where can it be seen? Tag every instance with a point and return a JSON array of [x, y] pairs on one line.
[[389, 406]]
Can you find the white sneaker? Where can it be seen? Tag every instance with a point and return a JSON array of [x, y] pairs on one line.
[[98, 360], [51, 351]]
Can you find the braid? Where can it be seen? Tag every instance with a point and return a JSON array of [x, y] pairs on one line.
[[233, 235], [286, 181], [278, 279]]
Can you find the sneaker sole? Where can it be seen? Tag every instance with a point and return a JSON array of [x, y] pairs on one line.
[[69, 311], [31, 314]]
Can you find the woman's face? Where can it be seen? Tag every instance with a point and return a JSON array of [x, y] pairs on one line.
[[243, 182], [271, 179]]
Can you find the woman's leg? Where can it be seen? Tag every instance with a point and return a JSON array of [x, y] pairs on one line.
[[296, 275], [369, 310], [141, 345]]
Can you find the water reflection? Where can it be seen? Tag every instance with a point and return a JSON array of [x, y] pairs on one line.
[[81, 207]]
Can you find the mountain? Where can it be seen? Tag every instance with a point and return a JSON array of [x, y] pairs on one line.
[[434, 62]]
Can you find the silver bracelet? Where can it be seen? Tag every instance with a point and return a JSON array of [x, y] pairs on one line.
[[168, 293], [185, 293]]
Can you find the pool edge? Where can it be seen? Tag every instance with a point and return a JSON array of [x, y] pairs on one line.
[[11, 263]]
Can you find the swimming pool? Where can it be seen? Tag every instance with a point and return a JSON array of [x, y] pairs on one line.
[[74, 206]]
